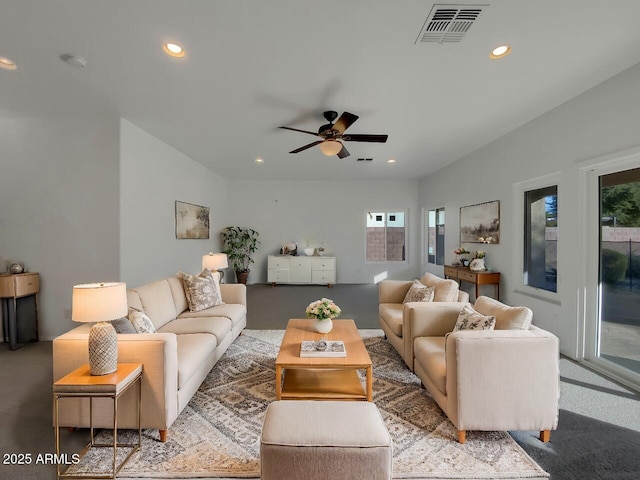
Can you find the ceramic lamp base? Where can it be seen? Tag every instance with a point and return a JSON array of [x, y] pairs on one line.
[[103, 349]]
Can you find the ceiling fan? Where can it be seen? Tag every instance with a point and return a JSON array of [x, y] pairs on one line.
[[332, 135]]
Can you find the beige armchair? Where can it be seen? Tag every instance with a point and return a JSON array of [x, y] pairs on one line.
[[502, 379], [394, 315]]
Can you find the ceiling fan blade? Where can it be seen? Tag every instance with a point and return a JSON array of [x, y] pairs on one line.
[[302, 131], [312, 144], [365, 138], [343, 153], [345, 121]]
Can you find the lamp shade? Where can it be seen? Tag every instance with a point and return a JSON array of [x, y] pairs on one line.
[[330, 147], [99, 302], [215, 261]]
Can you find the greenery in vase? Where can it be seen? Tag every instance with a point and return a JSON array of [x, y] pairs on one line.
[[239, 244], [323, 309]]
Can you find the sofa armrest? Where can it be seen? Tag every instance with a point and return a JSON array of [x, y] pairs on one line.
[[157, 352], [426, 319], [393, 291], [234, 293], [503, 379]]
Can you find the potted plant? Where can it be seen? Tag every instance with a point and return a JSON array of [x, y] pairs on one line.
[[239, 244]]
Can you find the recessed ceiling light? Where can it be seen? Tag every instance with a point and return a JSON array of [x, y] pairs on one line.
[[500, 52], [391, 160], [173, 49], [259, 160], [7, 63]]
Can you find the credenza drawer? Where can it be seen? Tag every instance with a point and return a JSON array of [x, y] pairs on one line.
[[323, 264], [277, 263], [323, 276], [450, 272], [277, 276]]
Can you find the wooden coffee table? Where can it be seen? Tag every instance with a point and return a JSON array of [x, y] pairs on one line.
[[326, 378]]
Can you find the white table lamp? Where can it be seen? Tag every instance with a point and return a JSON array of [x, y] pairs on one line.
[[100, 302], [215, 262]]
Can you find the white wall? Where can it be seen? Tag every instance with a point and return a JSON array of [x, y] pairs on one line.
[[602, 120], [153, 176], [333, 213], [59, 206]]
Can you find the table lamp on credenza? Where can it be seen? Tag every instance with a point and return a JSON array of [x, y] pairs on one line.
[[215, 262], [100, 303]]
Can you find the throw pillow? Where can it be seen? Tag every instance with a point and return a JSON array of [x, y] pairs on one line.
[[123, 325], [141, 321], [469, 319], [419, 293], [203, 291]]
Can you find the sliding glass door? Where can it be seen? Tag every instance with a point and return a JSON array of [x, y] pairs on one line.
[[618, 329]]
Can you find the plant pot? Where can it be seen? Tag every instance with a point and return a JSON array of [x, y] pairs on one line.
[[323, 326], [242, 277]]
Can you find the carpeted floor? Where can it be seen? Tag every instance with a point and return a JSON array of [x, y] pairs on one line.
[[218, 433]]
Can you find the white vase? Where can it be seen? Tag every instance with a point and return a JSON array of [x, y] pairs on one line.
[[323, 326]]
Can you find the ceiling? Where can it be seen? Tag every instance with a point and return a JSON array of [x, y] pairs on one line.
[[251, 66]]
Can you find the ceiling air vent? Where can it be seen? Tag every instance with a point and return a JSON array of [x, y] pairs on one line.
[[364, 160], [449, 23]]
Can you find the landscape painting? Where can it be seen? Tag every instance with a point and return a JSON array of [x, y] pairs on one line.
[[192, 221], [480, 223]]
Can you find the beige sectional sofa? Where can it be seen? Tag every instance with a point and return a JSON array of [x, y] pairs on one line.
[[175, 360]]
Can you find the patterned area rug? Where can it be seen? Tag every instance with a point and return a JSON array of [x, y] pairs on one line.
[[218, 433]]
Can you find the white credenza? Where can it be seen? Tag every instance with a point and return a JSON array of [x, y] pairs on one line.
[[290, 269]]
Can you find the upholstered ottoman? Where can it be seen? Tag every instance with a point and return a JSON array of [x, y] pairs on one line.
[[320, 440]]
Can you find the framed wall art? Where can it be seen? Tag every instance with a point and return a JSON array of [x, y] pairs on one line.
[[192, 221], [480, 223]]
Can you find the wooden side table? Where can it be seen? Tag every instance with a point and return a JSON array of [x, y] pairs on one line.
[[464, 274], [12, 287], [81, 384]]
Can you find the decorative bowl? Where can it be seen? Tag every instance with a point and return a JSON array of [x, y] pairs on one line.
[[309, 251]]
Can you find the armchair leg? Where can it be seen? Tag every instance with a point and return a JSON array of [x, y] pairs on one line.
[[163, 435], [545, 435], [462, 436]]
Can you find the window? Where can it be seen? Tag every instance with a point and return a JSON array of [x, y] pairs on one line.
[[386, 237], [435, 236], [541, 238]]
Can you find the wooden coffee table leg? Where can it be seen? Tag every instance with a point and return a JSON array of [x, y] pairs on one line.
[[370, 384], [278, 382]]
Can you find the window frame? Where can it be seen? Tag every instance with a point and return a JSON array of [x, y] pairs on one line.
[[386, 212], [519, 241], [427, 213]]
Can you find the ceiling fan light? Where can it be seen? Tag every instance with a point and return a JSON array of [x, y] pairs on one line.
[[330, 147]]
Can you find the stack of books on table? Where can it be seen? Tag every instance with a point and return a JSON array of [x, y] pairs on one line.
[[326, 348]]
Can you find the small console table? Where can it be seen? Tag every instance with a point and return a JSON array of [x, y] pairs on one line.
[[464, 274], [12, 287]]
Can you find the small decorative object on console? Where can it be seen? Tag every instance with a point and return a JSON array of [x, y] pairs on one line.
[[16, 268], [460, 258]]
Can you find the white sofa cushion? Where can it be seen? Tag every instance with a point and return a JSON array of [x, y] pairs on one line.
[[445, 290], [234, 312], [157, 301], [391, 314], [507, 318], [193, 350], [218, 326], [429, 353]]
